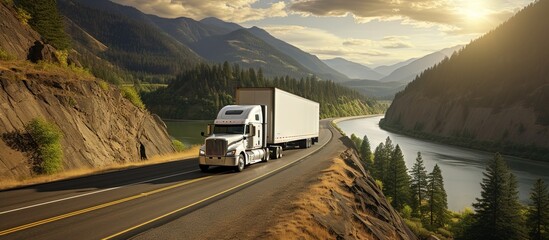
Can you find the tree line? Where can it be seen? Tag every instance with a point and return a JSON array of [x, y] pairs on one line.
[[421, 198], [200, 93]]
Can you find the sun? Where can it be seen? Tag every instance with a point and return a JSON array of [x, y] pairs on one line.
[[474, 10]]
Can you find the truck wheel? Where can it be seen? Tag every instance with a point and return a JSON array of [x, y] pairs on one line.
[[267, 156], [203, 168], [240, 163]]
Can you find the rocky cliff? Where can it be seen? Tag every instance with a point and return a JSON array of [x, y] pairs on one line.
[[99, 125], [15, 38], [492, 94], [345, 203]]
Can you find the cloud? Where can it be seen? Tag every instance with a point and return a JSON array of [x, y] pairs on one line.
[[327, 45], [228, 10], [451, 16], [396, 42]]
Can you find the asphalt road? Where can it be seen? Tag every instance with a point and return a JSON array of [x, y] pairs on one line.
[[168, 201]]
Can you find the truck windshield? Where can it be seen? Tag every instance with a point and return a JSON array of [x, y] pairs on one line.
[[228, 129]]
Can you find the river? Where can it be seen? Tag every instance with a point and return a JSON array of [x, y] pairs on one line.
[[462, 168], [187, 131]]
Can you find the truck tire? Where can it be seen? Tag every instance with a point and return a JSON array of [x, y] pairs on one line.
[[267, 156], [204, 168], [240, 163]]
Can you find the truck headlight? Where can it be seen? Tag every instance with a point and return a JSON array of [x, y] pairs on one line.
[[202, 152], [231, 153]]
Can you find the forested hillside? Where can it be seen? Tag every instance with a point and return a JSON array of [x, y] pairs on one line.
[[201, 92], [493, 94], [129, 40]]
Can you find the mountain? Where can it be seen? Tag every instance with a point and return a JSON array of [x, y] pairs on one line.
[[133, 42], [309, 61], [386, 70], [247, 50], [408, 72], [353, 70], [185, 39], [492, 94], [220, 24]]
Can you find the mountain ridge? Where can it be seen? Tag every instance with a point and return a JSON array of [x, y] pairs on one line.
[[353, 70], [491, 95]]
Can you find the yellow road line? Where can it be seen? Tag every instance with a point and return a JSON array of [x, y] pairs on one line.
[[104, 205], [212, 196]]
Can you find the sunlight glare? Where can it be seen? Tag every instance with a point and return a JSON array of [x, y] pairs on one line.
[[474, 10]]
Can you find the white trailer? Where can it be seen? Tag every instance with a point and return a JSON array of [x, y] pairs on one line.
[[264, 121], [290, 118]]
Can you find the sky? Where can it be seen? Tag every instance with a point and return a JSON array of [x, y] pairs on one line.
[[370, 32]]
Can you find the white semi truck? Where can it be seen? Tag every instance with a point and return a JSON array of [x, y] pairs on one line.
[[264, 121]]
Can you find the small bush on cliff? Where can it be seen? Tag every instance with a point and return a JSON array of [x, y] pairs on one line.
[[47, 137], [129, 93], [103, 85], [23, 15], [5, 55], [178, 145]]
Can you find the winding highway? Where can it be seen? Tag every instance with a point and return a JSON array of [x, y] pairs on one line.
[[172, 200]]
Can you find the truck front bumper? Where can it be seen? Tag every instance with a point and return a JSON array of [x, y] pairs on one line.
[[217, 161]]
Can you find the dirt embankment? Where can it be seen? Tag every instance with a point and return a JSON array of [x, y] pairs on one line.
[[100, 127], [345, 203]]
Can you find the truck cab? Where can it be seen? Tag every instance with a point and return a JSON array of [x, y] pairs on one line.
[[237, 138]]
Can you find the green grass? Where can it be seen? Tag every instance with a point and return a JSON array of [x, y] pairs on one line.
[[47, 137], [132, 95]]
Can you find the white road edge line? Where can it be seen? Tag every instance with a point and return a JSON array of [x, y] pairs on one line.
[[94, 192]]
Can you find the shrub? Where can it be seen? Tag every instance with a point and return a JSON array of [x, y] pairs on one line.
[[47, 137], [23, 15], [418, 229], [129, 93], [5, 55], [103, 85], [62, 56], [178, 145], [406, 212]]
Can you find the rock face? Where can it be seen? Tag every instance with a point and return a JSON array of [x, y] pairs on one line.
[[99, 125], [15, 38], [346, 203]]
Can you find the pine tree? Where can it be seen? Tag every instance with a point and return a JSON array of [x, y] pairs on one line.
[[366, 152], [397, 184], [498, 211], [384, 157], [357, 141], [437, 202], [418, 186], [47, 21], [379, 162], [538, 212]]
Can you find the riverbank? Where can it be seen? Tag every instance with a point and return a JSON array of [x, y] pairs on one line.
[[467, 141], [461, 167]]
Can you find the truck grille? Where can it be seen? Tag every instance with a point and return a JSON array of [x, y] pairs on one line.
[[216, 147]]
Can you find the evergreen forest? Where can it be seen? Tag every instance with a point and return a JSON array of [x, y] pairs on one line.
[[421, 199], [201, 92]]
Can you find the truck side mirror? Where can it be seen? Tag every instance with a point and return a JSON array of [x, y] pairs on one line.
[[208, 131]]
